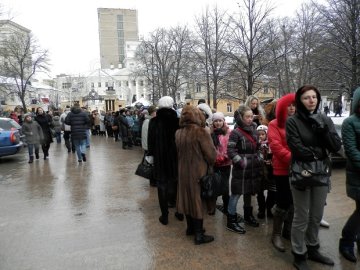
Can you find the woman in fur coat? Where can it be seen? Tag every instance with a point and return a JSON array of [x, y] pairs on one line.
[[196, 152]]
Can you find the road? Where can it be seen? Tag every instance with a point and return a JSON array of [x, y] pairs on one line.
[[58, 214]]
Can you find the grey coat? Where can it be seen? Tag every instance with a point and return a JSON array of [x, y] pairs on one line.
[[33, 132]]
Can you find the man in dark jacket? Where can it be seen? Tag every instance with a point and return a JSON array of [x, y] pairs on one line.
[[79, 122], [162, 147]]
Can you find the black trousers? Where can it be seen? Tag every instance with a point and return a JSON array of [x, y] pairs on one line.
[[283, 193], [351, 229], [166, 194]]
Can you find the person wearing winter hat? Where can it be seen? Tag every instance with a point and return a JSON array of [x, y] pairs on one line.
[[33, 136], [265, 204], [207, 112], [162, 147]]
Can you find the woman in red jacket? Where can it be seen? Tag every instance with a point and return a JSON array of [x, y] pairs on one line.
[[283, 209]]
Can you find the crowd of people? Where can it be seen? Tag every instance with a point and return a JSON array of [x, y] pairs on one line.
[[260, 156]]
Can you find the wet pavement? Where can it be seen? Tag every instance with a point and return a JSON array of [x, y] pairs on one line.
[[58, 214]]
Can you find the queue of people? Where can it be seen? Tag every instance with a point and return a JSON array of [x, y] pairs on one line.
[[261, 155]]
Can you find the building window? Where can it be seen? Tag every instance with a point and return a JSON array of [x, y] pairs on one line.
[[99, 84], [198, 88], [66, 85], [119, 83], [141, 83], [92, 85], [134, 83], [106, 84], [229, 107], [127, 83]]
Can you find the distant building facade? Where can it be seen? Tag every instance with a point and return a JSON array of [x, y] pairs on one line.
[[116, 27]]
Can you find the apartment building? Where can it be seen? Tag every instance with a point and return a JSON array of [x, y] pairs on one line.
[[116, 27]]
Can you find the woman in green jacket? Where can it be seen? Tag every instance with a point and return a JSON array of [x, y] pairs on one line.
[[350, 132]]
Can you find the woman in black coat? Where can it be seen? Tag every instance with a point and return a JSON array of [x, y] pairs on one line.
[[162, 147], [46, 123], [310, 136]]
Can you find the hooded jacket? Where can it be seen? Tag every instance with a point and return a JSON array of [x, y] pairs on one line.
[[277, 136], [310, 135], [350, 132], [79, 122]]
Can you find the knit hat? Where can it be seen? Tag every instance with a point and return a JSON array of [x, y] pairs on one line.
[[218, 116], [166, 102], [27, 114], [262, 128]]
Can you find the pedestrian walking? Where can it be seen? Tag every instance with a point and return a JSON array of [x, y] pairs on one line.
[[79, 122], [33, 136], [46, 123], [310, 136], [350, 132]]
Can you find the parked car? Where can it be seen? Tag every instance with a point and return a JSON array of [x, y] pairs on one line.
[[340, 155], [10, 124], [10, 143]]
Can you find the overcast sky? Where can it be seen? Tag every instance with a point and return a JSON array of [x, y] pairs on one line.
[[69, 28]]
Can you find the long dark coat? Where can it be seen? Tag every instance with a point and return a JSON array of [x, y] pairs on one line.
[[161, 144], [45, 122], [195, 152], [245, 180], [350, 132]]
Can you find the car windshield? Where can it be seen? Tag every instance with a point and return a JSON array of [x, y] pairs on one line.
[[9, 124]]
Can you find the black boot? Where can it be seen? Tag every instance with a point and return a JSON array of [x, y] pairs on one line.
[[316, 256], [83, 157], [286, 231], [31, 159], [37, 155], [249, 218], [190, 225], [270, 203], [278, 220], [347, 250], [179, 216], [233, 225], [300, 262], [200, 237]]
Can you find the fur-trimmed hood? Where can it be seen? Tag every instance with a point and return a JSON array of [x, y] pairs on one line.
[[281, 108]]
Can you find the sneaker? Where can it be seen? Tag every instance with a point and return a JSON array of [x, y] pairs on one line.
[[324, 224]]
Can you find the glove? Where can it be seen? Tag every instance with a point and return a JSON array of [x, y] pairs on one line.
[[318, 123], [243, 163], [149, 159]]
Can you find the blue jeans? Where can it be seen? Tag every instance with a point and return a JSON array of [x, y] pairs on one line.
[[31, 149], [233, 201], [58, 137], [80, 147]]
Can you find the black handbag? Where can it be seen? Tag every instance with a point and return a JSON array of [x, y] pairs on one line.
[[310, 173], [145, 169], [211, 185]]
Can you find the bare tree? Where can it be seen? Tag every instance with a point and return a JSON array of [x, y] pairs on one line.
[[341, 21], [251, 55], [212, 29], [22, 58]]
